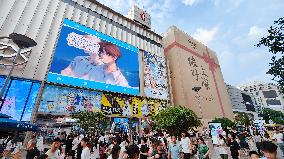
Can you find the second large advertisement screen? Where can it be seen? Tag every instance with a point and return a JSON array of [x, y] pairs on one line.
[[87, 58]]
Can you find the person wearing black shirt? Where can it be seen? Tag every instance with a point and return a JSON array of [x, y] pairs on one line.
[[144, 149], [32, 151], [234, 147], [68, 144]]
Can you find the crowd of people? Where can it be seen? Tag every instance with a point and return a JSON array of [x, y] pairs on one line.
[[156, 145]]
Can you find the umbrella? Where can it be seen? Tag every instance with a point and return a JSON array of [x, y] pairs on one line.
[[13, 125]]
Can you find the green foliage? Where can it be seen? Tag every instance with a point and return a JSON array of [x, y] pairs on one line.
[[243, 119], [225, 122], [87, 119], [276, 116], [176, 119], [275, 42]]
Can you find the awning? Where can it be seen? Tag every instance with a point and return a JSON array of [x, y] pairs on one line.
[[4, 116], [7, 124]]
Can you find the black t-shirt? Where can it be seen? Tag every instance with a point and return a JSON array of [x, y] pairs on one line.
[[234, 148], [31, 154], [144, 149]]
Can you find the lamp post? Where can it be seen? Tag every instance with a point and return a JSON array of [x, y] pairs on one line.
[[22, 42], [197, 89]]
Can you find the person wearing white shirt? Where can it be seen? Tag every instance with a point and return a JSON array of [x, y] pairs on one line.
[[86, 154], [186, 146], [102, 138], [54, 152], [278, 138], [221, 147]]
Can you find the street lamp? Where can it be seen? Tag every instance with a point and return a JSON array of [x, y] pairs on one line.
[[22, 42], [197, 89]]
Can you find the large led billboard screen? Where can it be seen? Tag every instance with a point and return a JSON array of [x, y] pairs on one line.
[[155, 75], [64, 100], [86, 58], [19, 98]]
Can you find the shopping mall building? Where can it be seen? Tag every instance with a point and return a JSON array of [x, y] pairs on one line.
[[89, 57]]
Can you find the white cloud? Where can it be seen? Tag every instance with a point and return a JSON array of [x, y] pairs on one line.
[[189, 2], [233, 4], [205, 36], [255, 33], [216, 2]]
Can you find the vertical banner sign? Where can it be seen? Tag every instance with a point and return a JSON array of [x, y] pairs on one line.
[[86, 58], [155, 75]]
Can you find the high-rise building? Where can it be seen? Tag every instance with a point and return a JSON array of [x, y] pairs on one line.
[[196, 77], [242, 101], [267, 95], [88, 57]]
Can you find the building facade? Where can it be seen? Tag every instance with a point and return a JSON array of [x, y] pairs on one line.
[[196, 77], [63, 73], [242, 101], [267, 95]]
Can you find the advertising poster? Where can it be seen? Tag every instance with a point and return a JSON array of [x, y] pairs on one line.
[[86, 58], [31, 102], [153, 106], [215, 131], [20, 97], [63, 100], [116, 105], [137, 104], [155, 75], [140, 107]]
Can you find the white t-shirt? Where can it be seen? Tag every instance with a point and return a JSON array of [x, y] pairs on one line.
[[221, 146], [185, 145], [278, 137], [102, 139], [55, 155], [86, 154]]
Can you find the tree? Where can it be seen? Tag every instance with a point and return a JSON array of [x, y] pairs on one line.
[[243, 119], [87, 119], [275, 42], [226, 123], [276, 116], [176, 119]]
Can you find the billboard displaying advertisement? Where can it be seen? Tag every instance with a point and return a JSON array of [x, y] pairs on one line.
[[31, 102], [126, 106], [116, 105], [20, 97], [86, 58], [215, 131], [155, 75], [65, 100]]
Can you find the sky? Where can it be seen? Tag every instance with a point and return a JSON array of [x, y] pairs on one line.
[[229, 27]]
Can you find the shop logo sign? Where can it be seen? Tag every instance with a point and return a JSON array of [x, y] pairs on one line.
[[13, 53]]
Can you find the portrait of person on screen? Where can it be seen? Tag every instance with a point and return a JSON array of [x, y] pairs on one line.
[[81, 65], [97, 66], [109, 71]]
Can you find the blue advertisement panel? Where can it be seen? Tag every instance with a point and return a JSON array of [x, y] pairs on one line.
[[31, 101], [215, 131], [18, 99], [87, 58], [155, 75], [65, 100]]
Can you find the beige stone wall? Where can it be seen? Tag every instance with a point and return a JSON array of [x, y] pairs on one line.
[[192, 64]]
